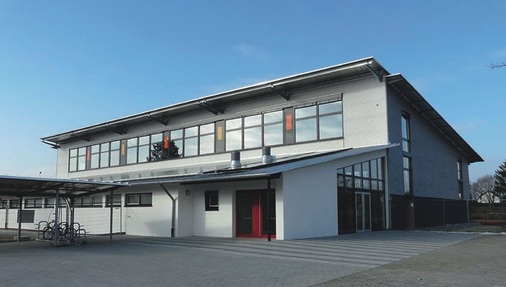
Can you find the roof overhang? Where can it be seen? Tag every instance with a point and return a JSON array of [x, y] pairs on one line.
[[262, 171], [14, 186], [217, 103], [400, 84]]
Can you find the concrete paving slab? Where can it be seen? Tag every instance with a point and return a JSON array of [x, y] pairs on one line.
[[196, 261]]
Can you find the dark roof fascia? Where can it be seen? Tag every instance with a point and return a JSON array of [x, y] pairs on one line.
[[426, 109], [31, 186], [120, 123]]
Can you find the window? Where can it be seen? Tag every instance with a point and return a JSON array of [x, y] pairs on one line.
[[273, 128], [305, 124], [233, 134], [253, 131], [143, 152], [104, 155], [460, 179], [176, 143], [14, 203], [407, 171], [95, 156], [362, 176], [116, 200], [406, 136], [158, 148], [81, 158], [139, 199], [115, 153], [206, 139], [131, 151], [3, 204], [211, 198], [319, 122], [88, 201], [191, 141], [33, 203], [330, 120], [73, 160], [49, 202]]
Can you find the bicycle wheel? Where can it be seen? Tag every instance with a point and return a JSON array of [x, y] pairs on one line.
[[48, 233]]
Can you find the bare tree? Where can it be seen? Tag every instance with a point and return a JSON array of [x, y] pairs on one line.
[[497, 65], [483, 190]]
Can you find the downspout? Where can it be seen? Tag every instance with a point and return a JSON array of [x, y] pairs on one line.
[[269, 209], [173, 219]]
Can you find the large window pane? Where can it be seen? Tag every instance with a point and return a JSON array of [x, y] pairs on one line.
[[191, 132], [95, 160], [305, 112], [190, 146], [253, 121], [233, 124], [131, 155], [273, 117], [331, 126], [207, 129], [176, 148], [252, 137], [234, 140], [273, 134], [305, 130], [73, 164], [207, 144], [334, 107], [143, 153], [114, 157]]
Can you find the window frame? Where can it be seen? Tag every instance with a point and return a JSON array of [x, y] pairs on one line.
[[139, 202], [34, 202], [116, 200], [209, 196]]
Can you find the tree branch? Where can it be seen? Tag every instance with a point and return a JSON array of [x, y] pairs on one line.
[[497, 65]]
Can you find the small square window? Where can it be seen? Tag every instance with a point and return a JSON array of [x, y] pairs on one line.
[[212, 200]]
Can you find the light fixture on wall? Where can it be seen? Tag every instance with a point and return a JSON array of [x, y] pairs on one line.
[[188, 192]]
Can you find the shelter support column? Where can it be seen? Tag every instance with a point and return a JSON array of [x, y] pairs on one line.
[[111, 211], [19, 218]]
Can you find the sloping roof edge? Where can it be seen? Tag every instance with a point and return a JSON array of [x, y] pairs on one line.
[[399, 83]]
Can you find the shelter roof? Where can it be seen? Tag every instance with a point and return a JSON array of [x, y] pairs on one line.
[[34, 186]]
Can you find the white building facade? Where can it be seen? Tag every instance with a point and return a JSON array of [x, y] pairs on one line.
[[347, 148]]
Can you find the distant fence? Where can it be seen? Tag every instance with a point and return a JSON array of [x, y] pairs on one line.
[[439, 212], [479, 211]]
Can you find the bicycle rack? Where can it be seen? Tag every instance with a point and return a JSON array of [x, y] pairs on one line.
[[62, 234]]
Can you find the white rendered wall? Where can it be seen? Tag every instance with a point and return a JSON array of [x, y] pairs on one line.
[[310, 202]]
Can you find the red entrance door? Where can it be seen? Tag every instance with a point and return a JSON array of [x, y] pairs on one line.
[[253, 215]]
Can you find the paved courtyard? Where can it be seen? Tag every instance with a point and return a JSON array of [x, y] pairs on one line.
[[395, 258]]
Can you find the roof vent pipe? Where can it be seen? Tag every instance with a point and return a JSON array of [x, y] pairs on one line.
[[235, 160], [266, 155]]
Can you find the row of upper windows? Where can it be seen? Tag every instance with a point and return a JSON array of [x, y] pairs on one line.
[[292, 125]]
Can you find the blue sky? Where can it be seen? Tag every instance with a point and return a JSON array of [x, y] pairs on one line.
[[69, 64]]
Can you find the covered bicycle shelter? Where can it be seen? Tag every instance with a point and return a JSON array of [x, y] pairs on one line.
[[22, 187]]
